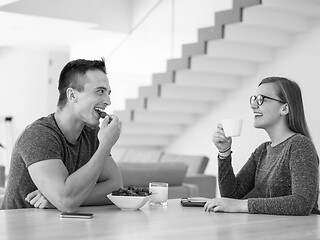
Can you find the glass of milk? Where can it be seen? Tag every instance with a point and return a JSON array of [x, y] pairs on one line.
[[159, 192]]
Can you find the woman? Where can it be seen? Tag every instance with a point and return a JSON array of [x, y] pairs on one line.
[[281, 175]]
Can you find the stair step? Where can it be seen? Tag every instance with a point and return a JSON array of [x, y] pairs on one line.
[[152, 91], [194, 49], [227, 17], [207, 80], [256, 35], [144, 116], [183, 106], [136, 103], [274, 19], [307, 8], [152, 128], [209, 33], [239, 51], [177, 64], [159, 78], [143, 141], [174, 91], [169, 105], [165, 117], [222, 66]]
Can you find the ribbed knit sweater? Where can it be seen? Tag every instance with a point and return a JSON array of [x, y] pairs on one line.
[[279, 180]]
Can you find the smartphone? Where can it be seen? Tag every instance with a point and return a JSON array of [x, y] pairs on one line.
[[76, 215], [187, 202]]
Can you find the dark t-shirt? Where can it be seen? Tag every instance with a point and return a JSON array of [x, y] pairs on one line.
[[43, 140], [276, 180]]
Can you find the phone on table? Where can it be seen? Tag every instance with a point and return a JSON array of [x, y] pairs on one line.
[[193, 202], [76, 215]]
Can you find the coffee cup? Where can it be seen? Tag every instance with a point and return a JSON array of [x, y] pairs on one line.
[[232, 127]]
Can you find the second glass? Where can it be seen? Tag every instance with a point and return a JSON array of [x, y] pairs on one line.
[[159, 192]]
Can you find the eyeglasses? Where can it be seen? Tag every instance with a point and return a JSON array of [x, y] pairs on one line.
[[260, 99]]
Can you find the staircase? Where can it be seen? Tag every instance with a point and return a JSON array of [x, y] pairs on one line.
[[243, 38]]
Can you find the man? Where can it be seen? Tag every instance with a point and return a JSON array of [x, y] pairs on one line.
[[63, 160]]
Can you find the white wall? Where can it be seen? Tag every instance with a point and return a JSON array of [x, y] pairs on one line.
[[299, 62], [56, 61], [23, 92]]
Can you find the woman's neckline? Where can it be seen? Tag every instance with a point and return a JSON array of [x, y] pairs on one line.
[[280, 143]]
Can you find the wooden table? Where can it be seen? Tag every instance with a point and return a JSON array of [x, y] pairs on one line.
[[172, 222]]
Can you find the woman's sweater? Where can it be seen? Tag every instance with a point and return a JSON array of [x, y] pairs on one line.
[[276, 180]]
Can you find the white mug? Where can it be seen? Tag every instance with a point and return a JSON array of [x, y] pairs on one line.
[[232, 127]]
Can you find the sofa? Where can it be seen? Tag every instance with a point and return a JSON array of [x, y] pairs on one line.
[[185, 174]]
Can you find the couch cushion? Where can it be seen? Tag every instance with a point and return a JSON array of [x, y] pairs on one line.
[[141, 155], [206, 183], [141, 174], [118, 153], [183, 191], [196, 163]]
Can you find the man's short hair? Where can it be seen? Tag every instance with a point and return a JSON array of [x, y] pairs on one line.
[[69, 76]]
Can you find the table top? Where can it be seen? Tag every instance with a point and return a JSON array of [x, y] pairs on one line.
[[171, 222]]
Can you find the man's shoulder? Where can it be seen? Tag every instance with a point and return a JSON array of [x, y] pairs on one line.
[[41, 126]]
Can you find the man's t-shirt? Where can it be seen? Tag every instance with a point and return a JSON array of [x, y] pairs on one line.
[[42, 141]]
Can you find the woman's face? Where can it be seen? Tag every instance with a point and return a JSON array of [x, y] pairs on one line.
[[268, 114]]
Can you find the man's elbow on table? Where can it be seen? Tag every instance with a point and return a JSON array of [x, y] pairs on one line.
[[67, 204]]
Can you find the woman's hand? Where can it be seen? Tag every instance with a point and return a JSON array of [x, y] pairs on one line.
[[38, 200], [219, 139], [226, 205]]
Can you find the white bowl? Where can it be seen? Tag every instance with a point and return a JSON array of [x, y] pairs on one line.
[[129, 202]]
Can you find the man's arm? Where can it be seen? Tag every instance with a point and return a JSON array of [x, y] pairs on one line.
[[64, 191], [67, 192], [109, 180]]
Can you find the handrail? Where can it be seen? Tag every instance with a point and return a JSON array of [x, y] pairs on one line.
[[132, 30]]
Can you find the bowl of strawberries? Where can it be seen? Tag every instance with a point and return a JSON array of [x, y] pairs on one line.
[[130, 198]]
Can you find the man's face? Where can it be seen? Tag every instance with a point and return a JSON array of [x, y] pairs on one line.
[[94, 97]]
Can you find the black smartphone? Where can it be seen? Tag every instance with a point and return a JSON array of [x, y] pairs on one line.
[[76, 215], [187, 202]]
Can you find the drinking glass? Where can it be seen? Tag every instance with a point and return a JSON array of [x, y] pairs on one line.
[[159, 192]]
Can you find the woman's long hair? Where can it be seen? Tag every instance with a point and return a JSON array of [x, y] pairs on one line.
[[290, 93]]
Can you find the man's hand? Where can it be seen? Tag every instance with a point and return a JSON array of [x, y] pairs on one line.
[[109, 132], [38, 200], [226, 205]]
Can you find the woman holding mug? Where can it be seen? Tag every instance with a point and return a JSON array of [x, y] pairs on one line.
[[281, 175]]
